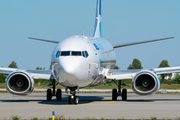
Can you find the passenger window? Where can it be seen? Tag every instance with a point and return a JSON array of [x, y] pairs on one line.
[[76, 53], [86, 53], [57, 54], [65, 53]]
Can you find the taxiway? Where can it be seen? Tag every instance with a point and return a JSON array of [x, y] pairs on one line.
[[91, 105]]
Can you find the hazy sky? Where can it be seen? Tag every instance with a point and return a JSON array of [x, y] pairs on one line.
[[122, 21]]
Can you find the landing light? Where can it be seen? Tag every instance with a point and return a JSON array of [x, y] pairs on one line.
[[72, 97], [110, 73]]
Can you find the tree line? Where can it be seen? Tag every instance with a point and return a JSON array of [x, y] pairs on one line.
[[136, 64], [14, 65]]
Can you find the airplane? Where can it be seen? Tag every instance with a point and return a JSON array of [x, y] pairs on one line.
[[82, 61]]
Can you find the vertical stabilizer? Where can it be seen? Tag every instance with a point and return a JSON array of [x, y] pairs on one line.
[[97, 29]]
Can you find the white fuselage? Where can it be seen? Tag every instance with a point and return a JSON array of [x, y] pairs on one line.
[[81, 60]]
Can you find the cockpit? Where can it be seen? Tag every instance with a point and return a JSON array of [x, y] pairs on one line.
[[72, 53]]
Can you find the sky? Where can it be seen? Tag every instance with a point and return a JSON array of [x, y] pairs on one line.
[[122, 21]]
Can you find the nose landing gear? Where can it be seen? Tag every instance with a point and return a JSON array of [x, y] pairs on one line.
[[73, 98]]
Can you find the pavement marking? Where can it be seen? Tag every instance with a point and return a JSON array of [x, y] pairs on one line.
[[57, 106]]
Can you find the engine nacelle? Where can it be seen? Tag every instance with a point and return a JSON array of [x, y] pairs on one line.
[[19, 83], [145, 83]]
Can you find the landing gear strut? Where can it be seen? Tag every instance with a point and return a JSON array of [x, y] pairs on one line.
[[116, 93], [50, 94], [73, 98]]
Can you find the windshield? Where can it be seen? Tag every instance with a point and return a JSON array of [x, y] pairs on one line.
[[72, 53], [76, 53], [65, 53]]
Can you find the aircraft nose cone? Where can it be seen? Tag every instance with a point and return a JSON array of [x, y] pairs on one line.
[[70, 69]]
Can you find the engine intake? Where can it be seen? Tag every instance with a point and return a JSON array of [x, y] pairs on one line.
[[20, 83], [145, 83]]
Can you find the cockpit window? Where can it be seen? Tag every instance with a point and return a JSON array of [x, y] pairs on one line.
[[76, 53], [86, 53], [57, 54], [72, 53], [83, 54], [65, 53]]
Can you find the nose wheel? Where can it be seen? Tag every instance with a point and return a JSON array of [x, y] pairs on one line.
[[73, 99]]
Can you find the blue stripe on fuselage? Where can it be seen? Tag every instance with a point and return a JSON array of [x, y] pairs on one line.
[[99, 7], [100, 29]]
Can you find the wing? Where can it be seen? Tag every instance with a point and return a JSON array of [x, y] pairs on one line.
[[35, 74], [40, 74], [121, 74], [129, 74], [51, 41], [139, 42]]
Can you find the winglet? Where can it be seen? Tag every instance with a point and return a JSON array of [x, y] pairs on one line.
[[97, 28]]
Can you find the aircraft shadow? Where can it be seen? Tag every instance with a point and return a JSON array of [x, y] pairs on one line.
[[64, 101], [82, 100]]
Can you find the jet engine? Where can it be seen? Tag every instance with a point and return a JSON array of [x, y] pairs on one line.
[[145, 83], [19, 83]]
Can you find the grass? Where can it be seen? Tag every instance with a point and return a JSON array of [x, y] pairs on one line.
[[61, 117], [15, 117], [170, 86]]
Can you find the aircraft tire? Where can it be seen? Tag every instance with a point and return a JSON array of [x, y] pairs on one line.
[[76, 100], [124, 94], [59, 95], [49, 95], [114, 94], [69, 100]]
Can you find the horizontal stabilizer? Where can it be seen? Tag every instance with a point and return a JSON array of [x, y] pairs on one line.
[[51, 41], [139, 42]]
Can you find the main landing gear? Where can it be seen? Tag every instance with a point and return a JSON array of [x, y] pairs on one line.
[[50, 93], [73, 99], [116, 93]]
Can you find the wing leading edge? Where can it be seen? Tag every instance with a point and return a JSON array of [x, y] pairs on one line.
[[139, 42], [51, 41], [129, 74], [35, 74]]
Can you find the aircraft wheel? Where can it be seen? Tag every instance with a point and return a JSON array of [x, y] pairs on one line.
[[59, 95], [114, 94], [70, 100], [49, 95], [76, 100], [124, 94]]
